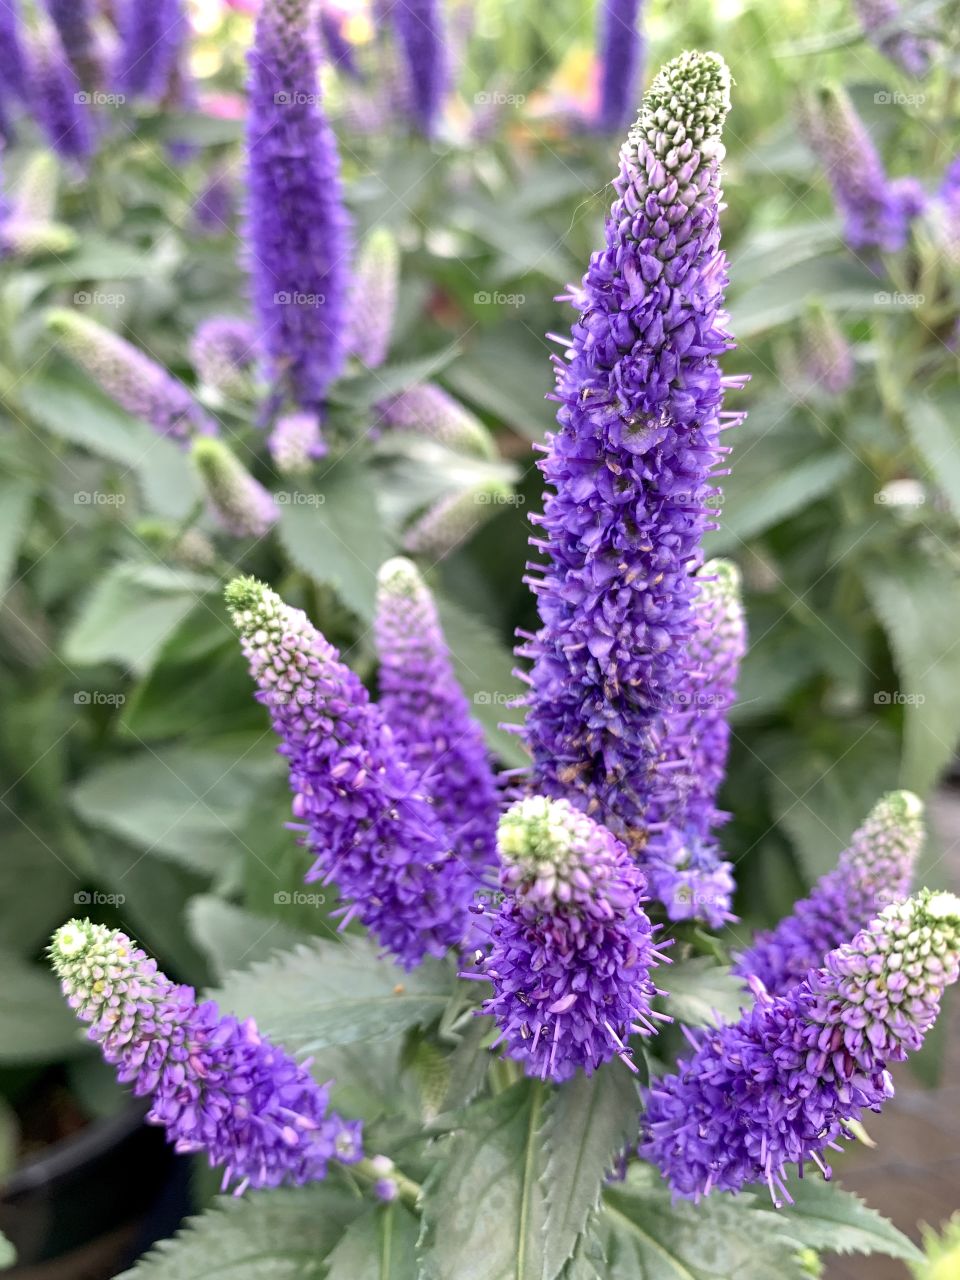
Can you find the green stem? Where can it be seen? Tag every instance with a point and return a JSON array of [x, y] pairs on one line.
[[409, 1191]]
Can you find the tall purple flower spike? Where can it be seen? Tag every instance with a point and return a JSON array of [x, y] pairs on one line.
[[571, 947], [151, 38], [876, 869], [621, 63], [373, 297], [364, 812], [138, 384], [239, 503], [297, 225], [629, 471], [430, 716], [72, 19], [882, 23], [13, 75], [428, 410], [784, 1084], [419, 29], [56, 100], [876, 211], [685, 868], [217, 1085]]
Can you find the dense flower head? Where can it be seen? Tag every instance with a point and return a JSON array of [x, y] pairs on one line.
[[297, 226], [454, 518], [571, 947], [430, 411], [138, 384], [217, 1086], [621, 63], [429, 713], [883, 26], [876, 211], [875, 870], [826, 354], [418, 25], [296, 442], [56, 100], [784, 1083], [151, 38], [224, 353], [373, 298], [629, 471], [364, 812], [237, 500]]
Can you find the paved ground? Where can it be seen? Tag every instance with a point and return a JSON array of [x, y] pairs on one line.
[[913, 1176]]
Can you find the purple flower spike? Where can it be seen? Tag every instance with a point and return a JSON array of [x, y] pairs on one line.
[[224, 353], [56, 100], [621, 62], [340, 52], [72, 18], [875, 870], [876, 212], [685, 868], [298, 228], [373, 301], [238, 502], [217, 1085], [629, 471], [137, 383], [151, 38], [295, 443], [882, 22], [571, 946], [784, 1083], [13, 75], [429, 714], [419, 28], [365, 816], [430, 411], [827, 356], [455, 518]]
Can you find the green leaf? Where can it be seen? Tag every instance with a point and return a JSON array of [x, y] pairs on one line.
[[647, 1237], [484, 667], [131, 613], [8, 1255], [36, 887], [16, 500], [507, 376], [35, 1022], [338, 537], [272, 1235], [330, 993], [588, 1122], [367, 389], [936, 437], [826, 1217], [186, 803], [379, 1245], [699, 990], [917, 600], [483, 1204], [232, 938], [836, 280]]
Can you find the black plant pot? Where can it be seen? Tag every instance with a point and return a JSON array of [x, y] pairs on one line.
[[90, 1203]]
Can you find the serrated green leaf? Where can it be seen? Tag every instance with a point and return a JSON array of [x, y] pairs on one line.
[[699, 990], [484, 1210], [826, 1217], [232, 938], [588, 1122], [645, 1236], [273, 1235], [330, 993], [131, 613], [484, 667], [186, 803], [379, 1245], [339, 539], [917, 600], [935, 435]]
